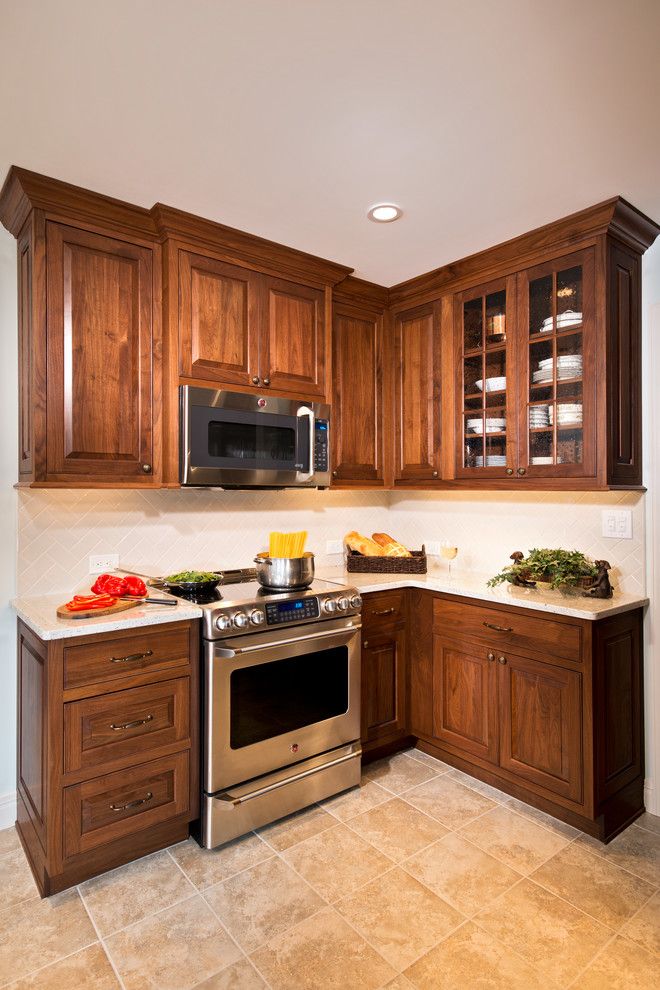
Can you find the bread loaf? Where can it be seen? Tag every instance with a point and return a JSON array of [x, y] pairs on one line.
[[390, 547], [362, 544]]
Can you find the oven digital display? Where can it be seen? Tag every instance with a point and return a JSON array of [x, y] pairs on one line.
[[301, 608]]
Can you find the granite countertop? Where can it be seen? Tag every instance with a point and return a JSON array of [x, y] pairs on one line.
[[39, 614], [473, 585]]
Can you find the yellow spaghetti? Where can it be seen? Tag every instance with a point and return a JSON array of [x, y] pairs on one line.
[[287, 544]]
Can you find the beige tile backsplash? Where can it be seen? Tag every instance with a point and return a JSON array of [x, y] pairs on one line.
[[160, 531]]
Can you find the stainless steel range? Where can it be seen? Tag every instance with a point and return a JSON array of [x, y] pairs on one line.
[[281, 703]]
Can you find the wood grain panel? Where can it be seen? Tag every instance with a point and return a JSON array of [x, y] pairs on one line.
[[383, 683], [417, 395], [32, 727], [292, 343], [464, 698], [383, 608], [111, 658], [624, 357], [420, 661]]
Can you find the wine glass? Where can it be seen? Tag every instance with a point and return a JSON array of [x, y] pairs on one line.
[[448, 552]]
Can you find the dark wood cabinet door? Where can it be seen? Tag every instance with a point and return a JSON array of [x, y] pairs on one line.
[[103, 351], [541, 724], [357, 397], [292, 340], [383, 684], [465, 697], [417, 394], [218, 320]]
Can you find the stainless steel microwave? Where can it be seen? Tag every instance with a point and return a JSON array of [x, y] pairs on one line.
[[241, 440]]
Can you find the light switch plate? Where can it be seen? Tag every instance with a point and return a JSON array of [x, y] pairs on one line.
[[617, 524], [432, 548], [103, 562], [334, 546]]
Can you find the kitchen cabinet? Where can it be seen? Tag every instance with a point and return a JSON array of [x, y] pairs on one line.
[[358, 393], [465, 708], [293, 339], [108, 748], [384, 669]]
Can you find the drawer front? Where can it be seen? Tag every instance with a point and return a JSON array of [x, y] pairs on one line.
[[508, 630], [125, 724], [383, 607], [115, 657], [120, 804]]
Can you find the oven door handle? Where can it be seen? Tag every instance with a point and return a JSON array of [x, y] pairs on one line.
[[306, 475], [235, 801], [226, 653]]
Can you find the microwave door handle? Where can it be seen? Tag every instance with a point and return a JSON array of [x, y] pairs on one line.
[[306, 475]]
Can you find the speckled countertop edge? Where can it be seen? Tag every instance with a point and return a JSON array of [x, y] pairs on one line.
[[39, 614]]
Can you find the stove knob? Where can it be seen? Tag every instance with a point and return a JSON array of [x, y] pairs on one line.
[[256, 617], [356, 601], [329, 605], [241, 620], [223, 622], [342, 604]]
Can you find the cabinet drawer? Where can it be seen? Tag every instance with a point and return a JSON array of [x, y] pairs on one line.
[[126, 723], [507, 630], [122, 803], [383, 608], [115, 657]]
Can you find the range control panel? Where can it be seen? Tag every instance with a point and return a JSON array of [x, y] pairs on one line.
[[292, 611], [321, 445], [223, 620]]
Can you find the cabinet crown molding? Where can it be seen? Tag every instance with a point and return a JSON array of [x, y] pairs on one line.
[[357, 293]]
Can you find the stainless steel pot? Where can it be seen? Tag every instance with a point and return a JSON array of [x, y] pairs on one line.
[[285, 572]]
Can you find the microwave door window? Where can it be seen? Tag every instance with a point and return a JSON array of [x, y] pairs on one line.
[[251, 445]]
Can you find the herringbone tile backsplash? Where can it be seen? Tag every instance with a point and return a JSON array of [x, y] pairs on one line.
[[160, 531]]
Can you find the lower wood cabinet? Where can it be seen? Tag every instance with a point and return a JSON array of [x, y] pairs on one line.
[[383, 669], [108, 748], [465, 712]]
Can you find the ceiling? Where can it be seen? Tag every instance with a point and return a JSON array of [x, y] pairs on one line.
[[290, 118]]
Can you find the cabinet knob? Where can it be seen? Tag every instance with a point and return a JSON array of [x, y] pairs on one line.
[[509, 471], [335, 473], [521, 471], [146, 468], [366, 643], [266, 382], [256, 380], [435, 474], [501, 660], [491, 657]]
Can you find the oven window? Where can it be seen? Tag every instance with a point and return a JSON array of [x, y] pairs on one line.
[[249, 442], [281, 696]]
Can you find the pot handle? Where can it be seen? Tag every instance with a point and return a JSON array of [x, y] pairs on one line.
[[263, 560]]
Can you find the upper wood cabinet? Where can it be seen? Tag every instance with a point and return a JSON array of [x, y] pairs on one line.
[[292, 342], [417, 398]]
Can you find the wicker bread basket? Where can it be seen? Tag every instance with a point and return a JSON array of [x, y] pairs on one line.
[[358, 563]]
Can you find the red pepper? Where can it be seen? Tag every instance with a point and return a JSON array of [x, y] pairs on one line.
[[110, 584], [135, 587], [80, 603]]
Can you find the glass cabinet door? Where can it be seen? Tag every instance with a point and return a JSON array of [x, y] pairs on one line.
[[484, 435], [556, 318]]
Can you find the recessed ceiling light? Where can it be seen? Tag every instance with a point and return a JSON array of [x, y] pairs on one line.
[[384, 213]]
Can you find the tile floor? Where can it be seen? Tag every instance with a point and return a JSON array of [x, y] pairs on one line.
[[421, 878]]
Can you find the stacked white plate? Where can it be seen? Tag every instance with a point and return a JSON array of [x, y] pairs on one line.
[[564, 321], [493, 425], [492, 460], [539, 416], [544, 460], [568, 366], [492, 384], [568, 414]]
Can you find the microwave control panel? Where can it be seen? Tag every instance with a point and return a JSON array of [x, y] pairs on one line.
[[321, 445]]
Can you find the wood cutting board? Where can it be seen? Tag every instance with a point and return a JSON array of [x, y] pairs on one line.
[[90, 613]]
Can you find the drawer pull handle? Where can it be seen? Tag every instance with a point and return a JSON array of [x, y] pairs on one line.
[[132, 804], [132, 725], [384, 611], [132, 656], [491, 625]]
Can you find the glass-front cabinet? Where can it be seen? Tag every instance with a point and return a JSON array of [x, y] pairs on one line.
[[486, 436], [526, 378]]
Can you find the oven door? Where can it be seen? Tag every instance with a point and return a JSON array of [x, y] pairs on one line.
[[279, 697]]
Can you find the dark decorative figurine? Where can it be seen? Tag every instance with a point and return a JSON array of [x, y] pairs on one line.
[[601, 587], [521, 580]]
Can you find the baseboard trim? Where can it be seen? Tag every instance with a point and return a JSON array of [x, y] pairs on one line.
[[7, 810], [650, 797]]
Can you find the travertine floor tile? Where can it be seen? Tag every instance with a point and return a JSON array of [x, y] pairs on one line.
[[636, 850], [322, 953], [622, 966], [208, 866], [16, 881], [607, 893], [463, 875], [644, 928], [516, 841], [472, 958], [400, 983], [88, 969], [450, 802], [9, 840], [39, 932], [336, 862], [398, 829], [354, 802], [262, 902], [540, 817], [130, 893], [399, 916], [280, 835], [401, 772], [478, 785], [430, 761], [240, 975], [173, 950], [548, 932], [650, 822]]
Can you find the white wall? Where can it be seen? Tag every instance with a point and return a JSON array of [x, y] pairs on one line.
[[8, 455]]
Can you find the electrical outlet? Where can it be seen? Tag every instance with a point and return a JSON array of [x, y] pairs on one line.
[[432, 548], [103, 562], [334, 546], [617, 524]]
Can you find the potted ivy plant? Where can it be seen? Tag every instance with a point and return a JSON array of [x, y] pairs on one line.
[[548, 569]]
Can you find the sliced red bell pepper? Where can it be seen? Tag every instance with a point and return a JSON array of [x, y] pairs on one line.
[[135, 587]]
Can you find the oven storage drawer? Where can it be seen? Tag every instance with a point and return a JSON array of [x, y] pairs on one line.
[[119, 804], [125, 725], [241, 809], [119, 656]]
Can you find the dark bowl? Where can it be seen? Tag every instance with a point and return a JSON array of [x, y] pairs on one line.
[[187, 589]]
